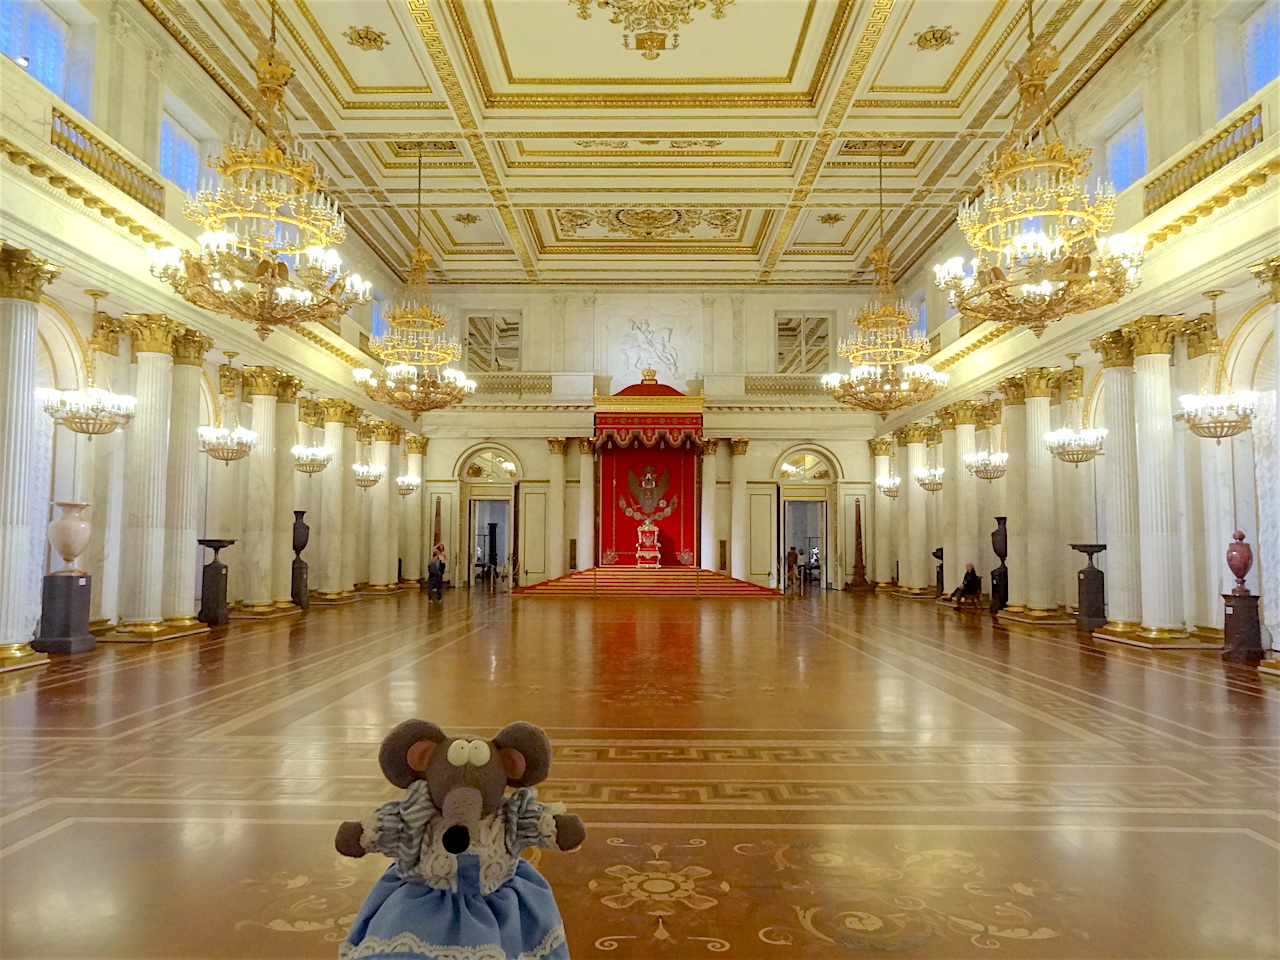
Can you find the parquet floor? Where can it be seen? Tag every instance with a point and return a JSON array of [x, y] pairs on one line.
[[823, 777]]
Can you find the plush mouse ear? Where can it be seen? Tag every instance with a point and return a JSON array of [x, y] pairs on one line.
[[526, 753], [404, 752]]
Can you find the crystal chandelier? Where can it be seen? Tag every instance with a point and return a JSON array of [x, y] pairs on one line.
[[930, 478], [92, 411], [223, 443], [265, 255], [407, 483], [417, 377], [368, 474], [884, 354], [1217, 416], [1075, 446], [889, 486], [989, 464], [651, 22], [1040, 237], [307, 458]]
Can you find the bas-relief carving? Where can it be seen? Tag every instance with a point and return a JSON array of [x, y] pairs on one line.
[[663, 332]]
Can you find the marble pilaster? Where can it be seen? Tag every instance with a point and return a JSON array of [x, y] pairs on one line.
[[881, 517], [948, 502], [710, 477], [1015, 492], [915, 565], [411, 547], [555, 508], [260, 542], [106, 465], [739, 529], [336, 490], [586, 503], [382, 545], [965, 414], [287, 481], [1041, 531], [354, 500]]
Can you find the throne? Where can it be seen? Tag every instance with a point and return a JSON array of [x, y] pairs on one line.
[[647, 552]]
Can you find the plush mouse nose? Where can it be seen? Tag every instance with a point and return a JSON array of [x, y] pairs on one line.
[[460, 815]]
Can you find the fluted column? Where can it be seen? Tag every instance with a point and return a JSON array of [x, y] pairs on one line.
[[259, 555], [1159, 528], [106, 457], [224, 512], [355, 439], [287, 477], [1070, 483], [555, 508], [707, 519], [146, 466], [335, 486], [586, 503], [1015, 431], [947, 500], [411, 545], [182, 510], [382, 547], [915, 564], [739, 528], [22, 278], [1041, 515], [881, 518], [1123, 558]]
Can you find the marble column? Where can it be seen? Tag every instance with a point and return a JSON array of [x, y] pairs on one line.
[[260, 541], [146, 468], [355, 439], [182, 509], [1123, 559], [1070, 483], [707, 518], [1015, 431], [555, 508], [411, 545], [1042, 586], [287, 477], [106, 457], [224, 512], [336, 489], [739, 528], [382, 545], [1159, 526], [915, 563], [947, 500], [586, 503], [881, 517], [1266, 447], [22, 278], [965, 484]]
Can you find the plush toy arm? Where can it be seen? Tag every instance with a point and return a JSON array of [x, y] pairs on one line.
[[348, 839], [569, 831]]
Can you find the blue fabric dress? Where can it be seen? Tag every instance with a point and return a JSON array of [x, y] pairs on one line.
[[486, 904]]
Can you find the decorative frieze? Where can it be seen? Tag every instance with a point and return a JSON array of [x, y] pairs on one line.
[[153, 332], [881, 446], [1200, 335], [415, 444], [1115, 348], [1154, 333], [556, 445], [261, 381], [23, 274], [1013, 390], [190, 346]]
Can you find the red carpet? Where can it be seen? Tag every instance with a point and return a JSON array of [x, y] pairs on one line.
[[646, 582]]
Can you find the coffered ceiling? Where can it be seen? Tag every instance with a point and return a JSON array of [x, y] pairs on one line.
[[553, 154]]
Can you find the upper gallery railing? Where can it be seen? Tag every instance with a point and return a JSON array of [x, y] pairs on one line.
[[1241, 134], [83, 147]]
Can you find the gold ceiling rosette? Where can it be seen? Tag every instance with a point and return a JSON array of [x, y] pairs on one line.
[[265, 256], [1038, 232], [651, 23]]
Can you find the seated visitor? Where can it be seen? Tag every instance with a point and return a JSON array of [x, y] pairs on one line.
[[970, 586]]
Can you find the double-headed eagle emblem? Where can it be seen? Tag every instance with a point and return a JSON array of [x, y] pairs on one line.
[[650, 494]]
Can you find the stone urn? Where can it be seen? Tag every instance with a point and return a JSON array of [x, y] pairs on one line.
[[1000, 539], [301, 533], [69, 535], [1240, 561]]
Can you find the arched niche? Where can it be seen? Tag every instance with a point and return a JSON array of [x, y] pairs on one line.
[[489, 463], [807, 463]]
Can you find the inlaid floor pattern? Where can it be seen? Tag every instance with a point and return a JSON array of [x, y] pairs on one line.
[[828, 776]]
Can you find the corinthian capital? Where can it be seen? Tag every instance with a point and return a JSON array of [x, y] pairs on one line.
[[415, 444], [386, 431], [287, 388], [190, 346], [1013, 390], [1154, 333], [1038, 381], [556, 445], [880, 446], [1115, 348], [261, 381], [23, 274], [153, 332]]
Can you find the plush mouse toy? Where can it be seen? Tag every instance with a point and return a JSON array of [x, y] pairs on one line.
[[459, 887]]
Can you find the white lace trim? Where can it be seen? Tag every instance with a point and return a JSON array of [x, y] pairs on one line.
[[369, 834], [497, 866], [409, 943], [547, 824]]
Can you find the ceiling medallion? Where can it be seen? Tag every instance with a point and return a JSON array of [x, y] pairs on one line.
[[366, 38], [649, 223], [467, 219], [874, 148], [604, 144], [1040, 237], [935, 38], [830, 219], [651, 22], [266, 254]]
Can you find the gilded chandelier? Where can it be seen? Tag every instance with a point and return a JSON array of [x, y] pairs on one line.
[[886, 373], [1039, 234], [416, 352], [265, 255], [1075, 445], [221, 442], [651, 22], [92, 411], [1217, 416]]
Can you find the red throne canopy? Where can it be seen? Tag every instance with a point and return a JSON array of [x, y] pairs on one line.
[[649, 436]]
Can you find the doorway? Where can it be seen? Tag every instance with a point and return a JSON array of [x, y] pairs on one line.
[[804, 526], [490, 540]]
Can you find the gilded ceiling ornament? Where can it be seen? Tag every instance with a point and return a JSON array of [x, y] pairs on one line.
[[935, 38], [649, 223], [467, 219], [830, 219], [874, 148], [651, 23], [605, 144], [693, 144], [366, 38]]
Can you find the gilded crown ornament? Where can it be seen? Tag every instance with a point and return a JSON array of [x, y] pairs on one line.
[[1040, 236], [92, 411], [416, 352], [266, 254], [884, 354], [651, 23]]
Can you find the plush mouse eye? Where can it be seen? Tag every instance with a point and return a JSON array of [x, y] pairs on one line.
[[459, 752], [478, 753]]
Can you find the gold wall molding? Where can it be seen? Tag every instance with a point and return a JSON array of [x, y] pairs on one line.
[[153, 332], [1154, 333], [649, 222], [190, 346], [23, 275], [1216, 201], [989, 337], [1115, 347], [1229, 342]]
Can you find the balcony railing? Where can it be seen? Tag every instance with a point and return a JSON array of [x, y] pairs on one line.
[[512, 384], [1238, 137], [86, 149], [783, 385]]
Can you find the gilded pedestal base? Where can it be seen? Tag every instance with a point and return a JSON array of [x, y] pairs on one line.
[[19, 656], [1209, 635], [887, 587], [263, 612], [916, 593], [99, 627], [381, 589], [331, 599], [1270, 666], [152, 631], [1053, 617], [1152, 638]]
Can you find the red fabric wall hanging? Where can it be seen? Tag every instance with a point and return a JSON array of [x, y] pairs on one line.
[[659, 482]]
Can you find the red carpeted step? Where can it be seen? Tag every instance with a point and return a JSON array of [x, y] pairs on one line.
[[664, 582]]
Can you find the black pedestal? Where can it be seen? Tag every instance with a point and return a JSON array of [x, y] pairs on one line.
[[298, 590], [1091, 596], [213, 594], [1242, 629], [64, 615], [999, 588]]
